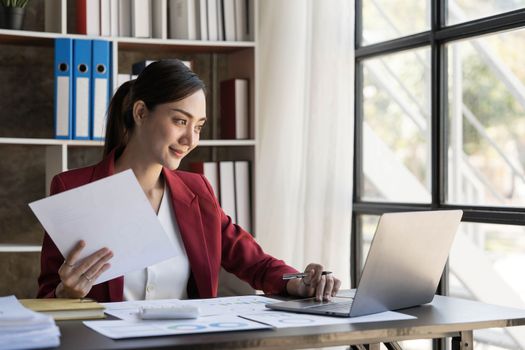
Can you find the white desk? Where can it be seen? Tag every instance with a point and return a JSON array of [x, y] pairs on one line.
[[444, 317]]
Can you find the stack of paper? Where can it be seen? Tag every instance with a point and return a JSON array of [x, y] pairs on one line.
[[21, 328]]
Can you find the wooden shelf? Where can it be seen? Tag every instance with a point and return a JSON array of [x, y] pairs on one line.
[[48, 142], [194, 46], [32, 38], [19, 248], [77, 143]]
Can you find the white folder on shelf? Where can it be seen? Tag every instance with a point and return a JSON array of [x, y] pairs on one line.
[[63, 87], [114, 16], [182, 19], [241, 20], [159, 19], [211, 172], [105, 17], [88, 17], [251, 20], [141, 18], [213, 33], [220, 20], [101, 87], [202, 16], [242, 194], [229, 19], [81, 88], [227, 188], [124, 18]]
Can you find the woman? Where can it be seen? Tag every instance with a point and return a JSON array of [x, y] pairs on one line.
[[154, 122]]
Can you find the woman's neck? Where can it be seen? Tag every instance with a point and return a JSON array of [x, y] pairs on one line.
[[148, 173]]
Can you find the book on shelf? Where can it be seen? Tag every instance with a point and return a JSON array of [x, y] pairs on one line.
[[242, 194], [215, 20], [241, 20], [124, 18], [220, 19], [66, 309], [105, 17], [210, 170], [182, 22], [229, 17], [234, 106], [114, 17], [201, 10], [213, 31], [230, 180], [159, 20], [88, 17], [141, 18]]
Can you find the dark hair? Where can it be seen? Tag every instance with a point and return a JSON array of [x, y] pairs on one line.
[[160, 82]]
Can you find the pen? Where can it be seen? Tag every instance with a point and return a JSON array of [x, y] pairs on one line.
[[291, 276]]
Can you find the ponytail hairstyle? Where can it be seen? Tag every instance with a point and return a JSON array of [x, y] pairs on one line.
[[161, 82]]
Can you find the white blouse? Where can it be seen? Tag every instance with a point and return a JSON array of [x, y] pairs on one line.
[[167, 279]]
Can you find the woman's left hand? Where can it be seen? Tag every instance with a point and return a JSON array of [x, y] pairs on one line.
[[323, 287]]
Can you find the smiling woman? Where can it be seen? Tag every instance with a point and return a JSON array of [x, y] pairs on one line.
[[153, 123]]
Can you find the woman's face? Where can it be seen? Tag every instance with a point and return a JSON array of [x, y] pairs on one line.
[[172, 130]]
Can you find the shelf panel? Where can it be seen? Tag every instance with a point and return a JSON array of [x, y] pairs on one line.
[[73, 143], [194, 46], [24, 37], [212, 143], [32, 38], [19, 248], [47, 142]]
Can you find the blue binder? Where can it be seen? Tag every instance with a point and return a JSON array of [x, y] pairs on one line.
[[63, 87], [81, 88], [101, 87]]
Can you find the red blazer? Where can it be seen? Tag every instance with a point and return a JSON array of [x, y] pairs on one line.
[[210, 238]]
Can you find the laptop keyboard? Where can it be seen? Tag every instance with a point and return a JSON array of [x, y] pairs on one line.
[[342, 306]]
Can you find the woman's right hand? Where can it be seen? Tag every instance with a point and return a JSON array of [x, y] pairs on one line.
[[77, 277]]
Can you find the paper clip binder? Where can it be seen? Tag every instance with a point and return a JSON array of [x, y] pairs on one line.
[[101, 87], [63, 87], [81, 88]]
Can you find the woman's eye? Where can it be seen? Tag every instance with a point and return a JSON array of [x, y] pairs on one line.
[[180, 121], [198, 128]]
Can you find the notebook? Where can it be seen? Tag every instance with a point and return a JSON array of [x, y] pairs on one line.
[[66, 309]]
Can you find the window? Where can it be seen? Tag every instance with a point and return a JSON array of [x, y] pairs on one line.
[[440, 124]]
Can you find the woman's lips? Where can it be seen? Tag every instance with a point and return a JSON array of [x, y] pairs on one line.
[[177, 153]]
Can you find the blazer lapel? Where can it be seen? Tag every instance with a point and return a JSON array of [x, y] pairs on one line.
[[187, 212]]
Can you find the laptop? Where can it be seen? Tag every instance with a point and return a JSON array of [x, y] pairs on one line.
[[403, 267]]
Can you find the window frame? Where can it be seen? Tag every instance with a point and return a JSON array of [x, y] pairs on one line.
[[436, 38]]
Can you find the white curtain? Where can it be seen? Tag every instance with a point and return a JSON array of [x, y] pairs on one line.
[[305, 109]]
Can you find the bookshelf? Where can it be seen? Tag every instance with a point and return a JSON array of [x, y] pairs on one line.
[[30, 156]]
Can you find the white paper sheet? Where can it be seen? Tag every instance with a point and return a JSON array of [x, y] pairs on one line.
[[120, 329], [280, 319], [22, 328], [112, 212], [248, 304]]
